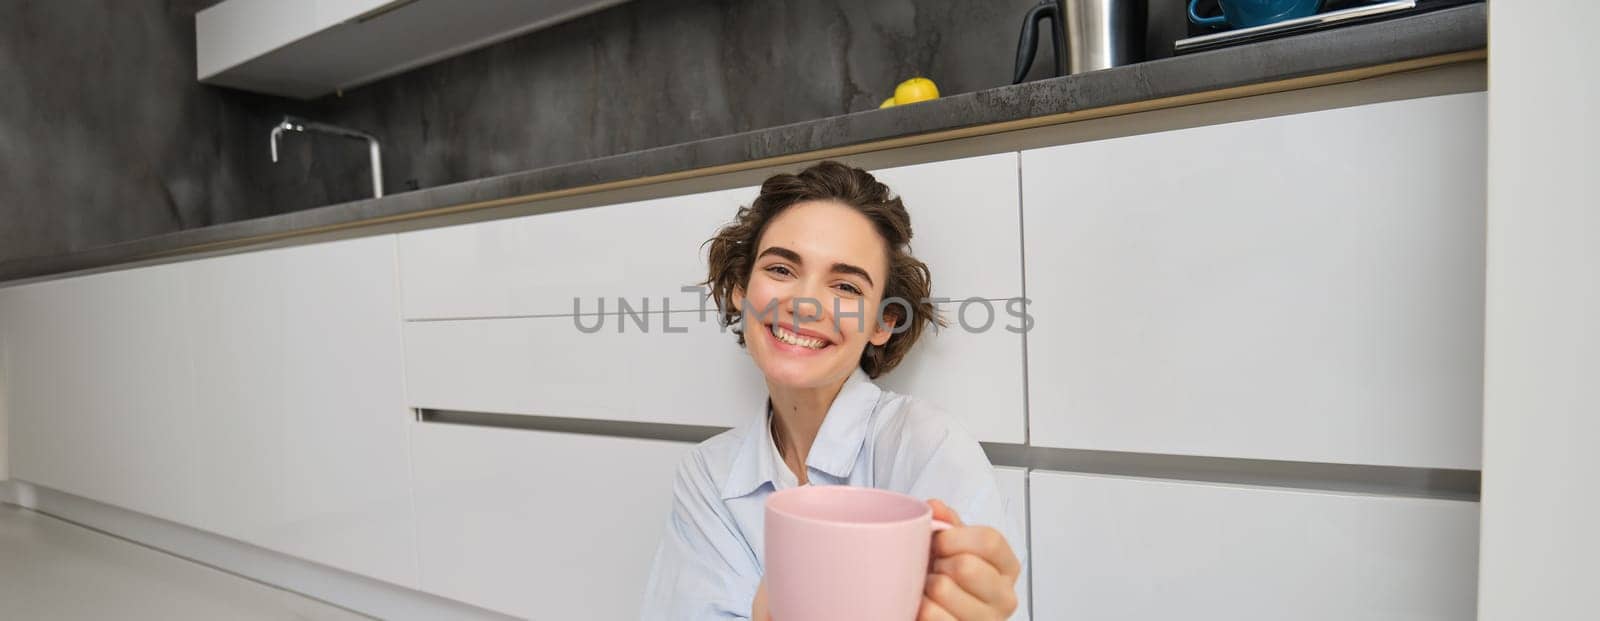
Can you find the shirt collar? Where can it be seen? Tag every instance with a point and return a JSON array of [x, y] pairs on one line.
[[838, 444]]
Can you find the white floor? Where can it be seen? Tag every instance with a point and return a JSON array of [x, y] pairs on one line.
[[51, 569]]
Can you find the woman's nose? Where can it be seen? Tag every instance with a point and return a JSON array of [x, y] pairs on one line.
[[811, 302]]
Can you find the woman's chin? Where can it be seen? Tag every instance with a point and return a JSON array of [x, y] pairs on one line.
[[803, 372]]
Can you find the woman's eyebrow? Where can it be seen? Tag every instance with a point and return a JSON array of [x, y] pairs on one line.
[[838, 268], [782, 252], [846, 268]]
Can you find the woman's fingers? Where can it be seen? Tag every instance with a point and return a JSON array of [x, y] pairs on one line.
[[973, 573], [956, 601], [931, 611], [976, 576], [943, 512], [987, 543]]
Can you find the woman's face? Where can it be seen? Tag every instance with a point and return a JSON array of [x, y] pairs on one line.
[[816, 261]]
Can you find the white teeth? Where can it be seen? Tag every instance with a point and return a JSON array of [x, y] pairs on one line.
[[795, 339]]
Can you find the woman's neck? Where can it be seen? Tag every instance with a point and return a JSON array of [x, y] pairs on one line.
[[797, 415]]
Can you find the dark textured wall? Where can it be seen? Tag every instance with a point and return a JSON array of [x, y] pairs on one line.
[[656, 72], [105, 135]]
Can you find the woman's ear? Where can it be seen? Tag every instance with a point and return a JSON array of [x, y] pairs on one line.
[[885, 329], [736, 299]]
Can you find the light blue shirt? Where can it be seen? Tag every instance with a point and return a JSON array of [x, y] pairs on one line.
[[711, 556]]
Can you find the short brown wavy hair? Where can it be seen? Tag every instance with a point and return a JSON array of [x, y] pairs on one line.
[[733, 251]]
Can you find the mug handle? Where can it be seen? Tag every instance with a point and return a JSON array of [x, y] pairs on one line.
[[1204, 21], [941, 525]]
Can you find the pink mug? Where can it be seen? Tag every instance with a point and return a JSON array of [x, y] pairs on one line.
[[836, 553]]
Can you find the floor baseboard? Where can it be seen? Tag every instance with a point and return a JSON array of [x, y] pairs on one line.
[[347, 590]]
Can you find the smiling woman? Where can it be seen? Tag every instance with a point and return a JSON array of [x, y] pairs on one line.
[[849, 227], [818, 276]]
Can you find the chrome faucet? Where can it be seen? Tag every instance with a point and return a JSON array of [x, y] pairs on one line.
[[297, 124]]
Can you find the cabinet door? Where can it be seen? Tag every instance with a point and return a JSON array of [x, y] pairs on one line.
[[344, 422], [7, 314], [541, 525], [258, 396], [538, 265], [1014, 484], [300, 395], [1306, 287], [974, 373], [965, 223], [1126, 548], [98, 388], [234, 307]]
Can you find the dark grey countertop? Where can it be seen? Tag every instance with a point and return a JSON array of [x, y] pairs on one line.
[[1446, 31]]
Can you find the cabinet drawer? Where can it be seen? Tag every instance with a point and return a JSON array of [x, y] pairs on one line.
[[1126, 548], [547, 366], [1305, 287], [964, 214], [537, 265]]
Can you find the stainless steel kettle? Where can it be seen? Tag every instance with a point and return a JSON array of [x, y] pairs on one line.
[[1088, 35]]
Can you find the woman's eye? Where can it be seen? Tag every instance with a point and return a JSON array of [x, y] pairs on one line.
[[849, 288], [779, 270]]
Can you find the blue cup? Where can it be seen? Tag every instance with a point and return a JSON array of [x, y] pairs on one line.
[[1247, 13]]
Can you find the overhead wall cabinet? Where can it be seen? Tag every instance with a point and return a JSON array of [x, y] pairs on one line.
[[309, 48]]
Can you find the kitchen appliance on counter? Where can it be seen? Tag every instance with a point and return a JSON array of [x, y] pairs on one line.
[[1086, 34], [1255, 20], [1251, 13]]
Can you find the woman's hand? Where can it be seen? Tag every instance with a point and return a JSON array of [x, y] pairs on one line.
[[973, 575], [758, 607]]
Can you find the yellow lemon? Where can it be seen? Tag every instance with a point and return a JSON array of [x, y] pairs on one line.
[[887, 103], [915, 90]]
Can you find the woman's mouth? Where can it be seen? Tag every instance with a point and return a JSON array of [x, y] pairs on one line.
[[796, 341]]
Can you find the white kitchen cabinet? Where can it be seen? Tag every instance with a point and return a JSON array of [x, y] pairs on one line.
[[510, 519], [964, 214], [537, 265], [299, 371], [975, 376], [1305, 287], [546, 366], [537, 524], [98, 388], [258, 396], [1127, 548], [234, 307], [1014, 484], [6, 305], [308, 48], [965, 223]]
